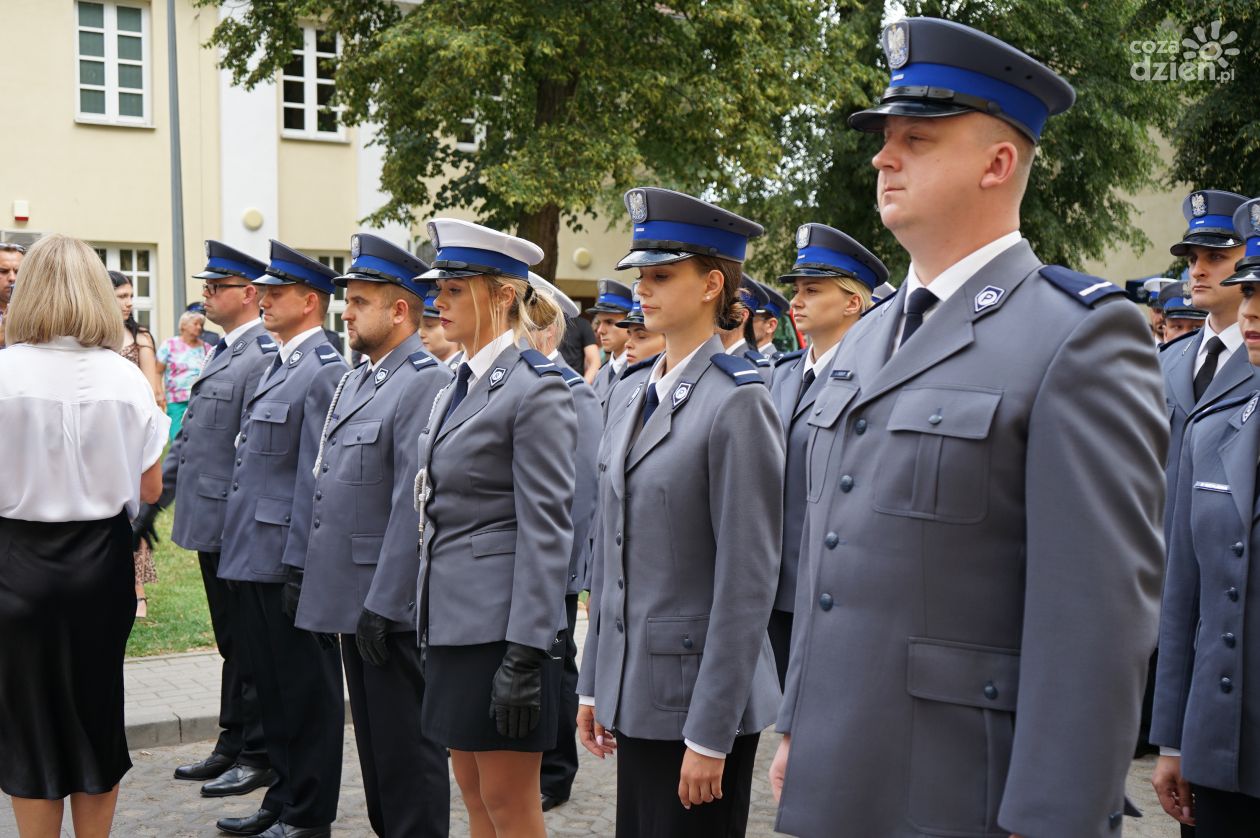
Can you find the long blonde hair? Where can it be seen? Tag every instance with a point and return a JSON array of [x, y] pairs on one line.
[[531, 309], [64, 290]]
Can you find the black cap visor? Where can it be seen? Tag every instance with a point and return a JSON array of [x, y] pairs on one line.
[[270, 278], [1245, 272], [604, 308], [817, 273], [648, 258], [367, 276], [927, 103], [1205, 238], [209, 274]]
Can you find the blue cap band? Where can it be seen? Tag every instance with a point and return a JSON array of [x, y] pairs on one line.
[[384, 266], [728, 245], [1023, 107], [844, 261], [1253, 247], [485, 258], [615, 300], [1223, 222], [773, 309], [215, 263], [312, 278]]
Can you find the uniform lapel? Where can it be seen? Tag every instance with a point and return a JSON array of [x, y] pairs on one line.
[[221, 361], [368, 383], [1235, 371], [274, 378], [657, 428], [1239, 456], [479, 394], [620, 437], [785, 395], [815, 387], [1181, 374]]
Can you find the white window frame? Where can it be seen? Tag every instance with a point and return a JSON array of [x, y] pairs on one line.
[[112, 257], [310, 92], [111, 61], [338, 261]]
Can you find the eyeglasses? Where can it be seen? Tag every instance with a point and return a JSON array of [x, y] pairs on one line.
[[17, 248], [213, 288]]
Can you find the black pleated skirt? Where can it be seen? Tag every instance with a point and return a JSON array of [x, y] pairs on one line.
[[456, 708], [67, 603]]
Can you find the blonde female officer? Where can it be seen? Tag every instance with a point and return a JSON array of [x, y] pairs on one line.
[[677, 661], [496, 486]]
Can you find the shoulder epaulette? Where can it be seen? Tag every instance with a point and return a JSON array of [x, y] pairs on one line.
[[756, 358], [421, 359], [327, 354], [1178, 339], [267, 343], [789, 356], [1228, 404], [540, 363], [647, 362], [738, 368], [1083, 288], [571, 376]]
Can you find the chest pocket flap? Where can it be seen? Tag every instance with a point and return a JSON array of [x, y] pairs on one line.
[[274, 412], [963, 673], [221, 390], [964, 413], [830, 403], [361, 433]]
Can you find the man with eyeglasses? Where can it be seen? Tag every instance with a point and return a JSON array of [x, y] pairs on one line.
[[10, 258]]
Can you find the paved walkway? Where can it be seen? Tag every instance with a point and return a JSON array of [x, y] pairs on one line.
[[172, 706]]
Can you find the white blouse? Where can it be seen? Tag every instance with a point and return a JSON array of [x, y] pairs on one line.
[[80, 426]]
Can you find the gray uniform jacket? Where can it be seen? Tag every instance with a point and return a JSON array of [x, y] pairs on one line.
[[364, 525], [199, 464], [1235, 377], [784, 387], [980, 567], [590, 427], [1206, 702], [686, 561], [603, 383], [498, 522], [269, 503]]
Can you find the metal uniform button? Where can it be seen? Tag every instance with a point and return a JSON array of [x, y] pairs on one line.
[[238, 461], [846, 483], [1232, 593], [1227, 684], [859, 427], [182, 461], [1115, 819], [332, 440], [286, 520], [323, 468], [1238, 548], [621, 584], [319, 495], [620, 626], [1228, 639], [223, 493], [267, 414], [990, 691], [618, 539], [935, 419], [687, 643], [235, 486], [825, 602], [831, 540]]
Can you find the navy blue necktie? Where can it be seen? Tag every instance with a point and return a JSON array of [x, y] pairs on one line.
[[218, 347], [651, 403], [275, 365], [461, 390], [919, 304], [806, 380]]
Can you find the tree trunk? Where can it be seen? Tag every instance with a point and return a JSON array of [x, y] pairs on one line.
[[543, 229]]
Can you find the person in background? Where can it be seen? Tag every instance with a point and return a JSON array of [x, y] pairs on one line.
[[180, 360], [433, 336], [612, 303], [765, 321], [138, 347], [10, 259], [642, 344], [66, 604], [1182, 318], [208, 334], [579, 348]]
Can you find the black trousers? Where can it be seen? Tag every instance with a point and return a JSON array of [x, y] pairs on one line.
[[560, 764], [1225, 814], [405, 777], [647, 791], [242, 736], [780, 631], [303, 713]]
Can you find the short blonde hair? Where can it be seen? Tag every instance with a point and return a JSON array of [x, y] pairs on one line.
[[64, 291]]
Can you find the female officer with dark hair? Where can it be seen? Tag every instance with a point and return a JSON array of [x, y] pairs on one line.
[[495, 488], [677, 661]]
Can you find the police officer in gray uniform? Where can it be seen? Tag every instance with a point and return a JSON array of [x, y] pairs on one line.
[[823, 253], [738, 340], [613, 302], [766, 319], [361, 561], [264, 550], [981, 558], [677, 661], [1207, 712], [199, 467]]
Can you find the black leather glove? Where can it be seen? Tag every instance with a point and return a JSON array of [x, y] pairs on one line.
[[370, 636], [291, 592], [516, 692], [142, 526]]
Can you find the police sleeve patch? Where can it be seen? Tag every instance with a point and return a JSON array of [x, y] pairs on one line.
[[788, 357], [267, 344], [422, 359], [642, 365], [740, 369], [327, 354], [540, 363], [1085, 289]]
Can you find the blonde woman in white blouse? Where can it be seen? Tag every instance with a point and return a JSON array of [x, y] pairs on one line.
[[85, 442]]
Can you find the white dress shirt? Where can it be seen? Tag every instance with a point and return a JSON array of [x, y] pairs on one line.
[[767, 350], [1232, 337], [618, 363], [288, 347], [953, 277], [812, 363], [236, 334], [81, 425], [480, 363]]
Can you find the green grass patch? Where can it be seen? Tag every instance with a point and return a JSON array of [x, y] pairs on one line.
[[179, 619]]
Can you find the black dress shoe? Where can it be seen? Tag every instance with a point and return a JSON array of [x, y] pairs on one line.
[[209, 768], [284, 830], [549, 802], [239, 779], [255, 824]]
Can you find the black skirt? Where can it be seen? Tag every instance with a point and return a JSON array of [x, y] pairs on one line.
[[456, 709], [67, 603]]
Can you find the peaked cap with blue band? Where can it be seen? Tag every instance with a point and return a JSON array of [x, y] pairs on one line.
[[289, 267], [372, 259], [223, 261], [430, 304], [670, 226], [752, 294], [943, 68], [825, 251], [1209, 215], [1175, 302], [612, 297], [634, 317], [775, 304], [1247, 225], [466, 249], [563, 300]]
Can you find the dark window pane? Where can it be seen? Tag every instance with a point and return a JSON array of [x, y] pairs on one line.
[[128, 19], [295, 119], [124, 260], [130, 104], [326, 121], [142, 261], [92, 14], [100, 251], [92, 72], [325, 41], [324, 94], [467, 133], [92, 101], [129, 48], [143, 318], [131, 76], [294, 92], [294, 67], [92, 43], [325, 68]]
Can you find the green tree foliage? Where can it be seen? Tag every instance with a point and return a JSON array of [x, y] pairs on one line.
[[1089, 157], [576, 99]]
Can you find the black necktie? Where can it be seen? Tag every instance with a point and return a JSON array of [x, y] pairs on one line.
[[1215, 346], [461, 390], [919, 304], [805, 382], [650, 404], [275, 365], [218, 347]]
